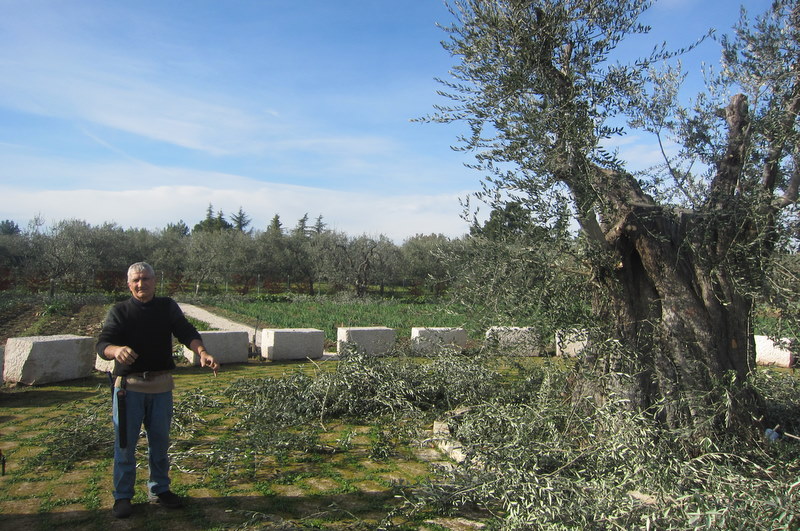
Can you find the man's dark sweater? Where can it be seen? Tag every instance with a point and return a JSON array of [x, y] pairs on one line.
[[147, 328]]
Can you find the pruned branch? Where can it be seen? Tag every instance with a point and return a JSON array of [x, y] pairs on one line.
[[729, 169], [777, 151], [791, 194]]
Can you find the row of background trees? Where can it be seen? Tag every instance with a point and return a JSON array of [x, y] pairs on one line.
[[219, 253]]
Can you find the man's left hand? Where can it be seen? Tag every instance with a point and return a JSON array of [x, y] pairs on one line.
[[207, 360]]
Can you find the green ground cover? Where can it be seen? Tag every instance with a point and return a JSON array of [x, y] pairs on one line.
[[337, 474], [329, 313], [348, 445]]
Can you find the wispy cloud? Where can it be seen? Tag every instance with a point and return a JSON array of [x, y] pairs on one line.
[[638, 150], [48, 71], [136, 106], [153, 208]]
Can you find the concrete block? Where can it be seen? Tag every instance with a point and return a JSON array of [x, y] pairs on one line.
[[515, 340], [775, 353], [226, 346], [571, 342], [430, 339], [292, 343], [39, 360], [371, 340]]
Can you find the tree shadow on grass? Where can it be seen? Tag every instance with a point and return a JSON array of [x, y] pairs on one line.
[[38, 397], [341, 511], [53, 394]]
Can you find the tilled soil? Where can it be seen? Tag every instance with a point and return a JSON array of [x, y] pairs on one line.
[[15, 319], [24, 319]]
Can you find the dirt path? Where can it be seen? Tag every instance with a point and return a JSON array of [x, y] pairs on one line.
[[218, 323]]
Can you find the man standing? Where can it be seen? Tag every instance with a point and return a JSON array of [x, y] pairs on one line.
[[137, 335]]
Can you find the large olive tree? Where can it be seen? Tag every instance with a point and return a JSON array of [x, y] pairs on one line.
[[675, 255]]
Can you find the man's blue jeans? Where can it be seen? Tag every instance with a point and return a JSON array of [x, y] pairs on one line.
[[154, 410]]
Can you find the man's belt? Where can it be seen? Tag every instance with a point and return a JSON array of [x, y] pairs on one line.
[[146, 375]]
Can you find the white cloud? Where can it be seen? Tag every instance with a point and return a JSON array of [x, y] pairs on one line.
[[179, 116], [51, 67], [639, 152], [397, 217], [335, 145]]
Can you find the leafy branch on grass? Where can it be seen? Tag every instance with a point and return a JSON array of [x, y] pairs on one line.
[[544, 463], [86, 434]]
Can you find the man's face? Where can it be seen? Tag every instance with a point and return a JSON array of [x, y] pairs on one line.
[[142, 286]]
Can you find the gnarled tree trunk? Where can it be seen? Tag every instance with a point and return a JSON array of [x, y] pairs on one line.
[[671, 284]]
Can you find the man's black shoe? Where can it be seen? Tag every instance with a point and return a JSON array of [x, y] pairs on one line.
[[122, 508], [168, 499]]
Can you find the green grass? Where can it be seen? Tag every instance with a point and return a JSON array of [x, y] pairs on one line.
[[347, 445], [329, 313], [53, 479]]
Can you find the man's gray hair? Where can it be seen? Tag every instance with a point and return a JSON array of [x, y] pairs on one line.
[[138, 267]]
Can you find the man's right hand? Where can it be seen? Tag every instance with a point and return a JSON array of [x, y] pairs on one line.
[[124, 355]]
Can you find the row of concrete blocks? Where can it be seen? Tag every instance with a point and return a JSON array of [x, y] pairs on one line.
[[40, 360], [768, 352], [48, 359]]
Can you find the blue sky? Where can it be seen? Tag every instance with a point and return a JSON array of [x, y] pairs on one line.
[[142, 113]]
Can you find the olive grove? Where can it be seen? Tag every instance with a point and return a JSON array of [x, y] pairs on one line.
[[217, 256]]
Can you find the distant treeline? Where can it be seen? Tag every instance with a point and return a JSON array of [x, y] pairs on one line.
[[219, 253]]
